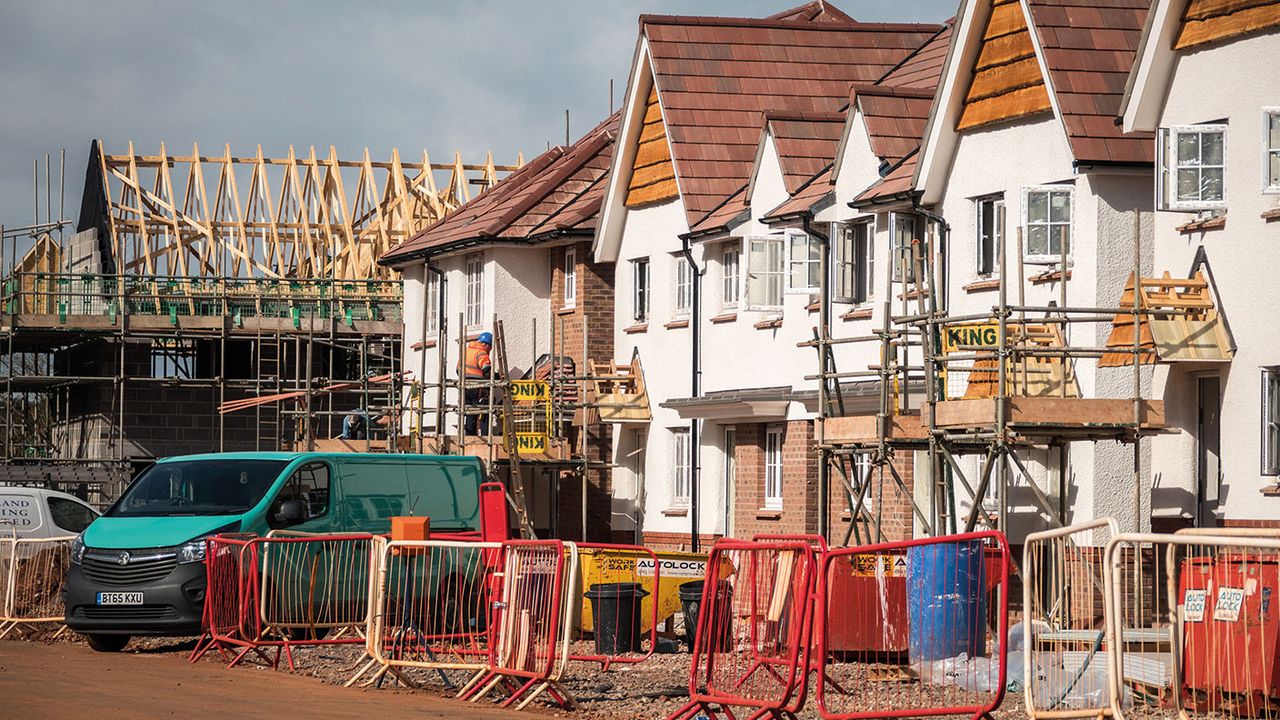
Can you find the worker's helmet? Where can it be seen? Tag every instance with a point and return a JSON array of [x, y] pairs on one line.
[[485, 338]]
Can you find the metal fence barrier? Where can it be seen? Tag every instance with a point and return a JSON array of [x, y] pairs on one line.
[[915, 628], [631, 577], [32, 571], [753, 625], [1063, 633]]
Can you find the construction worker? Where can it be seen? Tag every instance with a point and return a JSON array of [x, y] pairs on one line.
[[477, 366]]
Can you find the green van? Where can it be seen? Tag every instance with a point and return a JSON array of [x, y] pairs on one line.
[[139, 570]]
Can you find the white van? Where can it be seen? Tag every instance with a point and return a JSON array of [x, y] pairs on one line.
[[38, 513]]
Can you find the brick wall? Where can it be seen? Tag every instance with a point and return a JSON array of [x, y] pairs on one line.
[[677, 541], [896, 517], [799, 511], [594, 310]]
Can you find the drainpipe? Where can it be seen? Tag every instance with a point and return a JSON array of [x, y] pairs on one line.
[[942, 471], [441, 349], [824, 321], [695, 390]]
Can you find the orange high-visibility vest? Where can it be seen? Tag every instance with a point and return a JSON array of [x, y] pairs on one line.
[[477, 360]]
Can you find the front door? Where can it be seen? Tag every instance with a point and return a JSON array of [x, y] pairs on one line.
[[1208, 461]]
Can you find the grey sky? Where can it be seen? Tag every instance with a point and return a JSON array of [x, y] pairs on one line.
[[471, 76]]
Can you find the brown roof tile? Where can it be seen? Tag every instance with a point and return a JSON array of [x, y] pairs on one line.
[[560, 190], [805, 143], [896, 184], [740, 68]]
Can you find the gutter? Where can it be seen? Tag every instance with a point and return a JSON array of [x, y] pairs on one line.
[[695, 390]]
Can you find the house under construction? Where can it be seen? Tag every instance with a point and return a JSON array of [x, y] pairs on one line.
[[213, 302]]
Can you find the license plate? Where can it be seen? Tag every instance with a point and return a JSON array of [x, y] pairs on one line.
[[119, 598]]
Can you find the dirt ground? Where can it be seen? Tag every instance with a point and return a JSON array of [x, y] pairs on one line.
[[40, 681]]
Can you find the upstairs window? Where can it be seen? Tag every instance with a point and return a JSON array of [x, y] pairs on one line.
[[766, 272], [1046, 222], [854, 262], [684, 285], [1271, 146], [729, 276], [431, 303], [474, 307], [1271, 421], [990, 227], [640, 290], [906, 231], [804, 266], [1192, 167], [570, 278], [681, 467]]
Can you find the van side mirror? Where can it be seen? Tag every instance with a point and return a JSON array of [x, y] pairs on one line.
[[289, 512]]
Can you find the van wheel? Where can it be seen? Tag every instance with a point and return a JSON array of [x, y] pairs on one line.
[[107, 643]]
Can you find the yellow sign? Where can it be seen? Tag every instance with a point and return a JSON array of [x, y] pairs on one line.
[[530, 390], [977, 335], [878, 565], [532, 442], [675, 568]]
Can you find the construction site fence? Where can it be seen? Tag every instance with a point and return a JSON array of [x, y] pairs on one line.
[[1183, 624], [69, 295], [627, 579], [32, 572]]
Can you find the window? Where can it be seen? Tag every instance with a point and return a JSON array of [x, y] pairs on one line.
[[69, 514], [729, 276], [570, 278], [854, 262], [1271, 421], [1046, 223], [310, 485], [640, 289], [1271, 144], [773, 468], [681, 468], [766, 275], [1192, 167], [684, 285], [431, 302], [990, 226], [906, 231], [474, 309], [804, 265]]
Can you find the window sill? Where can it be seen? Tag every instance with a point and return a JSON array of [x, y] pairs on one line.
[[677, 324], [1271, 491], [567, 310], [769, 324], [982, 286], [724, 318], [638, 328], [676, 512], [420, 345], [857, 314], [1213, 223], [814, 306], [769, 514], [1272, 214], [1048, 276], [913, 294]]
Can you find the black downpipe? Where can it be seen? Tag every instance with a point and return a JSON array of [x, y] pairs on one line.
[[695, 391], [824, 320]]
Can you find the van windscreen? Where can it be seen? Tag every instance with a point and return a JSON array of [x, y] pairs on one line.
[[198, 487]]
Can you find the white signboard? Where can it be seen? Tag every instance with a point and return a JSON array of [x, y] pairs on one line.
[[1229, 603], [1193, 605]]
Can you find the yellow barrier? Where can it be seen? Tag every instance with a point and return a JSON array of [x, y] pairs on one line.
[[609, 566]]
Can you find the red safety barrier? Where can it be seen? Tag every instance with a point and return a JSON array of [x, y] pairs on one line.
[[753, 629], [617, 610], [914, 628], [284, 592]]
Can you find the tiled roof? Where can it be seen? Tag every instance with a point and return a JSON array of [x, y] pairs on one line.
[[716, 76], [558, 191], [810, 194], [805, 143], [816, 11], [1089, 48], [895, 118], [720, 217], [896, 184], [922, 68]]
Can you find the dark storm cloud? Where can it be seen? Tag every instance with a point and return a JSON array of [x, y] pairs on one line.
[[470, 76]]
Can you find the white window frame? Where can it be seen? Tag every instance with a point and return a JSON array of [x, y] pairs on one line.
[[1270, 184], [640, 292], [897, 248], [1270, 421], [803, 274], [1047, 258], [570, 278], [430, 302], [990, 268], [1168, 170], [774, 438], [731, 275], [474, 306], [766, 286], [681, 467], [853, 268], [683, 287]]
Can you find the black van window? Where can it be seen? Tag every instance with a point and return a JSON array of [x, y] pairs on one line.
[[310, 484], [69, 515]]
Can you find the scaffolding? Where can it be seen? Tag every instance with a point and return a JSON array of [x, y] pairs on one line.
[[989, 384], [200, 292]]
